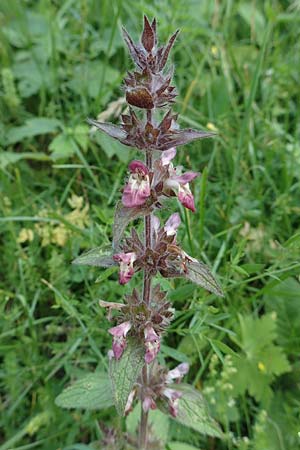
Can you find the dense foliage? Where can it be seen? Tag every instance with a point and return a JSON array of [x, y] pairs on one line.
[[237, 74]]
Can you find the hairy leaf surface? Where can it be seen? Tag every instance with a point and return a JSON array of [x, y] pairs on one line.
[[99, 257], [124, 373], [200, 274], [91, 392], [193, 412]]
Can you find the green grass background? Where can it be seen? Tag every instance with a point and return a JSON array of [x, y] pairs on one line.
[[237, 70]]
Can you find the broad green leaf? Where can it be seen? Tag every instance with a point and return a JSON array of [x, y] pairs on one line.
[[282, 300], [91, 392], [7, 158], [81, 136], [200, 274], [32, 127], [99, 257], [111, 147], [124, 373], [61, 147], [193, 412], [158, 421], [180, 446]]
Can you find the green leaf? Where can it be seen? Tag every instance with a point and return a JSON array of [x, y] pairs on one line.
[[106, 274], [32, 127], [91, 392], [193, 412], [199, 273], [283, 301], [99, 257], [180, 446], [175, 354], [61, 147], [111, 147], [124, 373], [81, 136], [7, 158]]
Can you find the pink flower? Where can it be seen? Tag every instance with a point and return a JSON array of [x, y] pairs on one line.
[[152, 344], [177, 373], [126, 261], [172, 224], [173, 397], [149, 403], [119, 341], [137, 190], [178, 183]]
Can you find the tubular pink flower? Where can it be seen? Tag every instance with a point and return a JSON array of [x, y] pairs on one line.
[[148, 403], [186, 197], [172, 224], [126, 261], [152, 344], [119, 341], [137, 190], [177, 373], [178, 183], [173, 397]]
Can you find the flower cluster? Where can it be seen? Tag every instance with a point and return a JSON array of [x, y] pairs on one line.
[[165, 255], [161, 387], [140, 320], [145, 187]]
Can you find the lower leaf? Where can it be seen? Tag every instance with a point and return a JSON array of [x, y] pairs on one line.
[[193, 412], [91, 392], [124, 373]]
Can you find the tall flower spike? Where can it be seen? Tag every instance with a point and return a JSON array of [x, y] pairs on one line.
[[149, 87]]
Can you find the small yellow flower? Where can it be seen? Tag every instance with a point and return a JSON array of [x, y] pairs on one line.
[[26, 234], [211, 126], [59, 235], [76, 201], [262, 367], [214, 50]]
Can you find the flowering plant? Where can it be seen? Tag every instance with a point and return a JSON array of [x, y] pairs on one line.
[[142, 319]]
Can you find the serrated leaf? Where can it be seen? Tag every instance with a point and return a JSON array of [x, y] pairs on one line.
[[124, 373], [91, 392], [199, 273], [99, 257], [193, 412], [122, 218]]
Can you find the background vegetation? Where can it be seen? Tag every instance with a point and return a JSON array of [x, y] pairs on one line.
[[237, 71]]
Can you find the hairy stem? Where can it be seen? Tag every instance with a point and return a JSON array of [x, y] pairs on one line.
[[143, 432]]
